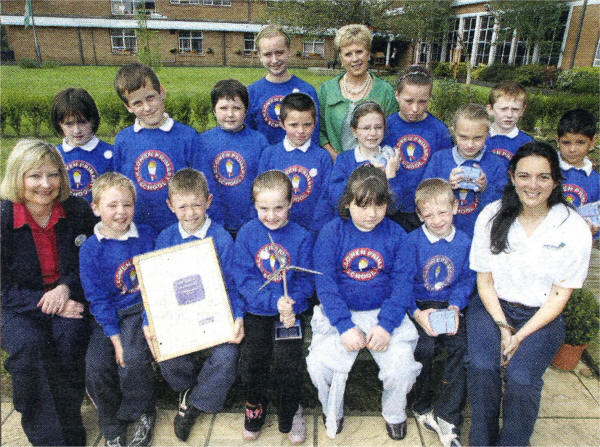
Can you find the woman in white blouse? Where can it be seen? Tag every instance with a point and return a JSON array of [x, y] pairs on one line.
[[530, 250]]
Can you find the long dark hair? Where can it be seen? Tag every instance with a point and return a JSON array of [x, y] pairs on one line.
[[511, 206]]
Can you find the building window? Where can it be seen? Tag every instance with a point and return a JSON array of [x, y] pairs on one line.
[[313, 47], [485, 40], [468, 37], [130, 7], [249, 44], [186, 2], [597, 55], [191, 42], [123, 40], [217, 2], [550, 52], [452, 40]]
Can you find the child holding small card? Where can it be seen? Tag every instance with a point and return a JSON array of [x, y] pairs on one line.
[[439, 282], [576, 136], [202, 387], [476, 176]]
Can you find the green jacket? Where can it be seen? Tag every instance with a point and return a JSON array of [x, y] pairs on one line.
[[333, 107]]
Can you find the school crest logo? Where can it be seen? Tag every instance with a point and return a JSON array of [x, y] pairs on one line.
[[152, 170], [269, 258], [302, 182], [574, 194], [362, 264], [468, 200], [229, 168], [414, 151], [126, 278], [270, 110], [82, 175], [437, 273], [504, 153]]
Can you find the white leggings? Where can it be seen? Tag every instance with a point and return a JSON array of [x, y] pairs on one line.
[[329, 363]]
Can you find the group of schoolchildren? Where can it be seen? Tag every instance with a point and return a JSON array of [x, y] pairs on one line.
[[270, 197]]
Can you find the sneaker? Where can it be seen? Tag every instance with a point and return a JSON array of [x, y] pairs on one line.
[[185, 417], [297, 434], [340, 424], [119, 441], [143, 429], [254, 419], [396, 431], [448, 433], [427, 420]]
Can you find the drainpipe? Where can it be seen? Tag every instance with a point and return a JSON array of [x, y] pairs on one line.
[[585, 2]]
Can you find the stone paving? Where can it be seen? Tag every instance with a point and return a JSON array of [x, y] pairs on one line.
[[569, 416]]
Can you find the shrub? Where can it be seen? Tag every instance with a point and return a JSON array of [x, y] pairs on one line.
[[549, 108], [51, 64], [579, 80], [495, 73], [11, 111], [446, 70], [179, 108], [28, 63], [582, 316], [448, 95], [202, 111], [36, 109], [112, 111], [535, 75]]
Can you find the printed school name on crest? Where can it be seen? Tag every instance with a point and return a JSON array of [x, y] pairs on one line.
[[437, 273], [362, 264], [504, 153], [152, 170], [274, 101], [229, 168], [414, 151], [302, 182], [572, 192], [468, 201], [126, 278], [269, 258], [83, 175]]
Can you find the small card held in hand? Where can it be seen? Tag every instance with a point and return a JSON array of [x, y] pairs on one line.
[[470, 175], [442, 321], [288, 333], [591, 211]]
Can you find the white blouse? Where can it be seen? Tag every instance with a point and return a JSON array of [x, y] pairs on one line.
[[558, 252]]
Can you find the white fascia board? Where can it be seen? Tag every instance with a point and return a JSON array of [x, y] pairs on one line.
[[89, 22]]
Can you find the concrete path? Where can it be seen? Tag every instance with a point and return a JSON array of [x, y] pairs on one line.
[[569, 416]]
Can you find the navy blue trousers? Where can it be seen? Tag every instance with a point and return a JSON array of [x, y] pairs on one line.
[[451, 402], [522, 377], [209, 381], [121, 395], [46, 363]]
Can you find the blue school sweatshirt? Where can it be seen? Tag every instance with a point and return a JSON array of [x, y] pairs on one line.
[[505, 146], [581, 185]]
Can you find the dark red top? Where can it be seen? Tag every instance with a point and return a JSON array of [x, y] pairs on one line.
[[44, 238]]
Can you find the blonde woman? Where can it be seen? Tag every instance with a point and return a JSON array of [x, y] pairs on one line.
[[339, 96], [44, 324]]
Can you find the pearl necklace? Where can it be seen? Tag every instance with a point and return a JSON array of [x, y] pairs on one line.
[[356, 91]]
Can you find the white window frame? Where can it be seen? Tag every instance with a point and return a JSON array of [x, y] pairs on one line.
[[216, 2], [186, 2], [190, 37], [310, 47], [249, 43], [129, 7], [125, 34], [596, 62]]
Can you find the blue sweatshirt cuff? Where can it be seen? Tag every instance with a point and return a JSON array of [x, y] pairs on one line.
[[344, 325]]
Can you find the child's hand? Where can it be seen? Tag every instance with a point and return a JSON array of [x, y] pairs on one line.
[[456, 317], [238, 331], [392, 165], [53, 301], [116, 341], [422, 317], [455, 177], [593, 228], [481, 182], [353, 339], [285, 305], [288, 320], [151, 340], [71, 309], [378, 339]]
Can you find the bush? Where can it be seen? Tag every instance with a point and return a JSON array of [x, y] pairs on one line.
[[582, 316], [11, 111], [51, 64], [535, 75], [448, 95], [112, 110], [446, 70], [202, 111], [37, 110], [495, 73], [179, 108], [579, 80], [28, 63], [547, 109]]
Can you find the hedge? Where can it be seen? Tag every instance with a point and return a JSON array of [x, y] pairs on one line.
[[29, 114]]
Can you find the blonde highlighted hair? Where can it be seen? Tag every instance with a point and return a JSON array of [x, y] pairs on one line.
[[30, 154], [270, 180], [188, 181], [111, 180], [434, 189], [472, 112], [349, 34], [271, 31]]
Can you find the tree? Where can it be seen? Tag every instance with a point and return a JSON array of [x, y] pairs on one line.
[[534, 20], [148, 41]]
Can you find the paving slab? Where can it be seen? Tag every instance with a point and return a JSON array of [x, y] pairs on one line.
[[566, 432], [227, 431], [591, 383], [362, 431], [12, 433], [564, 395], [6, 408]]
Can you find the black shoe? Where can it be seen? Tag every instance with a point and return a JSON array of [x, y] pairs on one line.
[[185, 418], [396, 431], [339, 425], [254, 418], [119, 441], [143, 430]]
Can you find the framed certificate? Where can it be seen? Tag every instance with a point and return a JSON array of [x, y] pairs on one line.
[[185, 298]]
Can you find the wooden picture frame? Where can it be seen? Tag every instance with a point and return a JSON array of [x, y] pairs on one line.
[[185, 298]]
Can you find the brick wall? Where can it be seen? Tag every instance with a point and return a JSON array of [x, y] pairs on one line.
[[588, 40]]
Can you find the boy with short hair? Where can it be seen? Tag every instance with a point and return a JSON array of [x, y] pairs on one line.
[[307, 164], [201, 389], [576, 136], [229, 155], [507, 103], [438, 277], [154, 148], [266, 94], [119, 376]]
